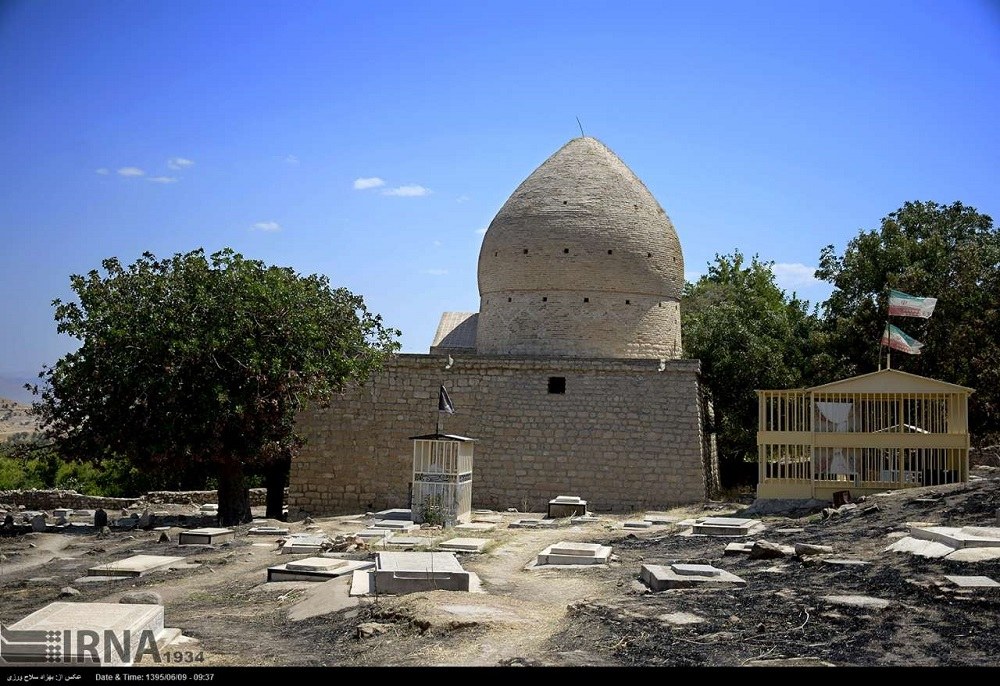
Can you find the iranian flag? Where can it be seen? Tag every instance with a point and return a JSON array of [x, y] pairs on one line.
[[897, 340], [904, 305]]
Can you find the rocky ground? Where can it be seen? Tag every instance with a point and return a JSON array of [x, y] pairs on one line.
[[568, 617]]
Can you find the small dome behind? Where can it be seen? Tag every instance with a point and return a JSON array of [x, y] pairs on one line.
[[581, 261]]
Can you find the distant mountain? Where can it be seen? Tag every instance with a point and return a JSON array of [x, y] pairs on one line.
[[12, 388]]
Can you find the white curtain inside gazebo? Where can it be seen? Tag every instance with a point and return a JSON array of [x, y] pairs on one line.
[[838, 414]]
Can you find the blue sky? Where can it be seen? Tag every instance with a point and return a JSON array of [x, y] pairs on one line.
[[374, 143]]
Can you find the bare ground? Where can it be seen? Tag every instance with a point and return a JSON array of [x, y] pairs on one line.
[[568, 617]]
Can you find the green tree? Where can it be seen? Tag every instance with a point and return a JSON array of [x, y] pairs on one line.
[[748, 335], [950, 252], [196, 362]]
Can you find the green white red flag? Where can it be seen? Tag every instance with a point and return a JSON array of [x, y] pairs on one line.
[[905, 305], [897, 340]]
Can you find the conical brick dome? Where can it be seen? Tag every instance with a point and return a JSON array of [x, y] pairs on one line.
[[581, 261]]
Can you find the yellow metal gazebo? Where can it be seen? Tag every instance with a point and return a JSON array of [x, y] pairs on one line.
[[869, 433]]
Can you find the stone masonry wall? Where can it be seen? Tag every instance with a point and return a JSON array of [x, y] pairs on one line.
[[623, 436], [51, 499]]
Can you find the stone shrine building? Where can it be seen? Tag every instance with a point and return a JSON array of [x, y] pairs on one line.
[[569, 377]]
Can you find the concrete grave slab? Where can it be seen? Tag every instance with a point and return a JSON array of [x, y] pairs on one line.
[[116, 618], [206, 536], [62, 512], [921, 547], [267, 531], [407, 541], [696, 570], [464, 545], [955, 537], [570, 553], [530, 523], [410, 572], [973, 581], [316, 569], [857, 601], [137, 565], [303, 544], [664, 577], [395, 525], [567, 506], [726, 526], [475, 526], [637, 525], [738, 547], [973, 555], [373, 534], [661, 518], [585, 519], [486, 516], [395, 514]]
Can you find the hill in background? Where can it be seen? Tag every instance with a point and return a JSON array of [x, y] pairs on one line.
[[15, 418]]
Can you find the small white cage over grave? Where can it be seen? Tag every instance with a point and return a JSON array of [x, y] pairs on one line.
[[442, 479]]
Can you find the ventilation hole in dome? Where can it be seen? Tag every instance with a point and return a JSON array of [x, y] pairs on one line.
[[586, 300], [635, 207], [649, 254], [544, 299], [564, 202], [628, 302], [610, 251], [496, 254], [509, 299], [525, 251], [565, 251], [557, 384]]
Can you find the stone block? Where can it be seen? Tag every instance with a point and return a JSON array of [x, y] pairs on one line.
[[137, 565], [206, 536], [664, 577]]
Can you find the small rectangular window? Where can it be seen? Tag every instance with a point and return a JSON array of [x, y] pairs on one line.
[[557, 384]]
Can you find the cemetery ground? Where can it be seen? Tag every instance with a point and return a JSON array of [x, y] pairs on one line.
[[857, 605]]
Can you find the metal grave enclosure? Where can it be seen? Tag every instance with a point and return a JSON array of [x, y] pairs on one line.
[[442, 479]]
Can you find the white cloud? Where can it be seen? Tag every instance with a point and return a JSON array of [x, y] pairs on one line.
[[103, 171], [267, 226], [409, 191], [436, 272], [179, 162], [370, 182], [794, 275], [292, 160], [462, 198], [131, 171], [482, 231], [162, 179]]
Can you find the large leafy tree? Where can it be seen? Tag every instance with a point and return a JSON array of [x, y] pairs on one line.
[[749, 334], [950, 252], [199, 361]]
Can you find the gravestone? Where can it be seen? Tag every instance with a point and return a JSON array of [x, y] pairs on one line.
[[316, 569], [566, 506], [725, 526], [206, 536], [411, 572], [572, 553], [55, 620], [680, 575], [38, 522], [137, 565], [464, 545], [100, 519]]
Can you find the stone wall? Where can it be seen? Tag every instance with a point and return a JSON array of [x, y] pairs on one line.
[[624, 436], [51, 499]]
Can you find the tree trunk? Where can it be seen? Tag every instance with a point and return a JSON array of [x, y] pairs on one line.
[[234, 496], [275, 478]]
